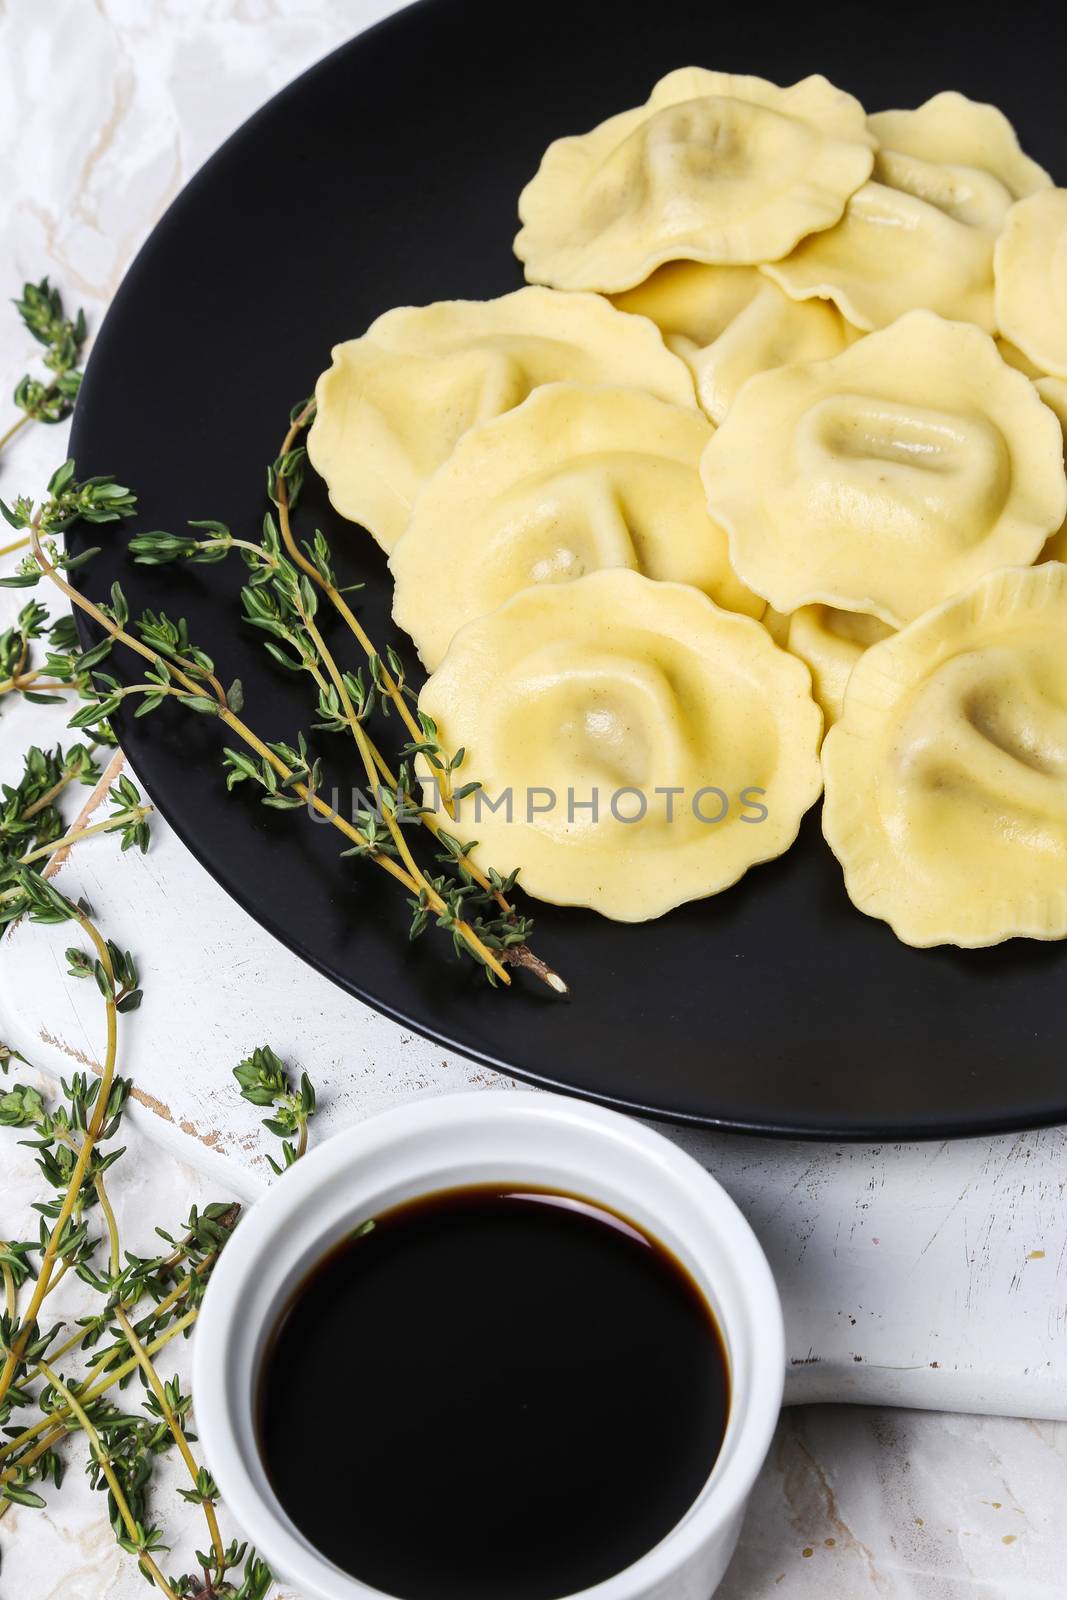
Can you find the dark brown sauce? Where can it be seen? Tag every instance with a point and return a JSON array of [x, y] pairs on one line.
[[495, 1394]]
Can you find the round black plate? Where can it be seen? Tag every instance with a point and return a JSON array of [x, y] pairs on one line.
[[387, 175]]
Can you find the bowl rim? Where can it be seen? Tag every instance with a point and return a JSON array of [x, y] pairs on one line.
[[753, 1413]]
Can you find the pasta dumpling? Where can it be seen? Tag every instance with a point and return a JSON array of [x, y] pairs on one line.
[[893, 251], [946, 777], [956, 132], [1014, 357], [1053, 392], [729, 323], [1031, 274], [777, 625], [652, 746], [691, 301], [714, 167], [830, 642], [921, 233], [889, 477], [575, 479], [393, 403]]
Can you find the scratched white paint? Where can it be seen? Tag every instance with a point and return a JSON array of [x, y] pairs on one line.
[[927, 1276]]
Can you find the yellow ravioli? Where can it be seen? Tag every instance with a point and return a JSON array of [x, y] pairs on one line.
[[714, 167], [922, 232], [613, 690], [394, 403], [890, 477], [1014, 357], [777, 625], [1053, 392], [954, 131], [830, 643], [892, 252], [575, 479], [729, 323], [946, 777], [1031, 275]]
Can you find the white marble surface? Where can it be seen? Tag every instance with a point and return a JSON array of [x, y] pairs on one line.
[[106, 110]]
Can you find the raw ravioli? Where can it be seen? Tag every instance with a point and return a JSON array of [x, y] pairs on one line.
[[921, 233], [714, 167], [1031, 273], [1053, 392], [830, 643], [621, 688], [575, 479], [946, 777], [729, 323], [394, 403], [890, 477]]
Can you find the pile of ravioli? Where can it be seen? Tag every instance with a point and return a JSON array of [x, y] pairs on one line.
[[756, 493]]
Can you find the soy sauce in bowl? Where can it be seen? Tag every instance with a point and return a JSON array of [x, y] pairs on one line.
[[496, 1393]]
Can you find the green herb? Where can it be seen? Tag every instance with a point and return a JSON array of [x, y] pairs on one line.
[[59, 672], [94, 500], [265, 1081], [144, 1301], [41, 310], [280, 599]]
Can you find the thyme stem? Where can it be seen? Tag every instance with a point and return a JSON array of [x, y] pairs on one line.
[[392, 823], [403, 874], [335, 596], [114, 1248], [101, 1378], [178, 1435], [27, 679], [10, 1293], [521, 955], [97, 1446], [117, 818], [6, 438], [99, 1117]]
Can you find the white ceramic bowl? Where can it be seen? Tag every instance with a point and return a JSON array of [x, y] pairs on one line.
[[486, 1137]]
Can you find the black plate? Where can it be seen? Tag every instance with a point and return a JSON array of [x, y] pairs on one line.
[[389, 174]]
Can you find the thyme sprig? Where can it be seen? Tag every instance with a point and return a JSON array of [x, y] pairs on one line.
[[183, 672], [41, 310], [60, 672], [75, 1152], [504, 931], [22, 889], [280, 598], [43, 316], [29, 813], [74, 1139], [94, 500], [265, 1080]]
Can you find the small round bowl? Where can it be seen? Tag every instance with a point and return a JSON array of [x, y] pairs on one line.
[[488, 1137]]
